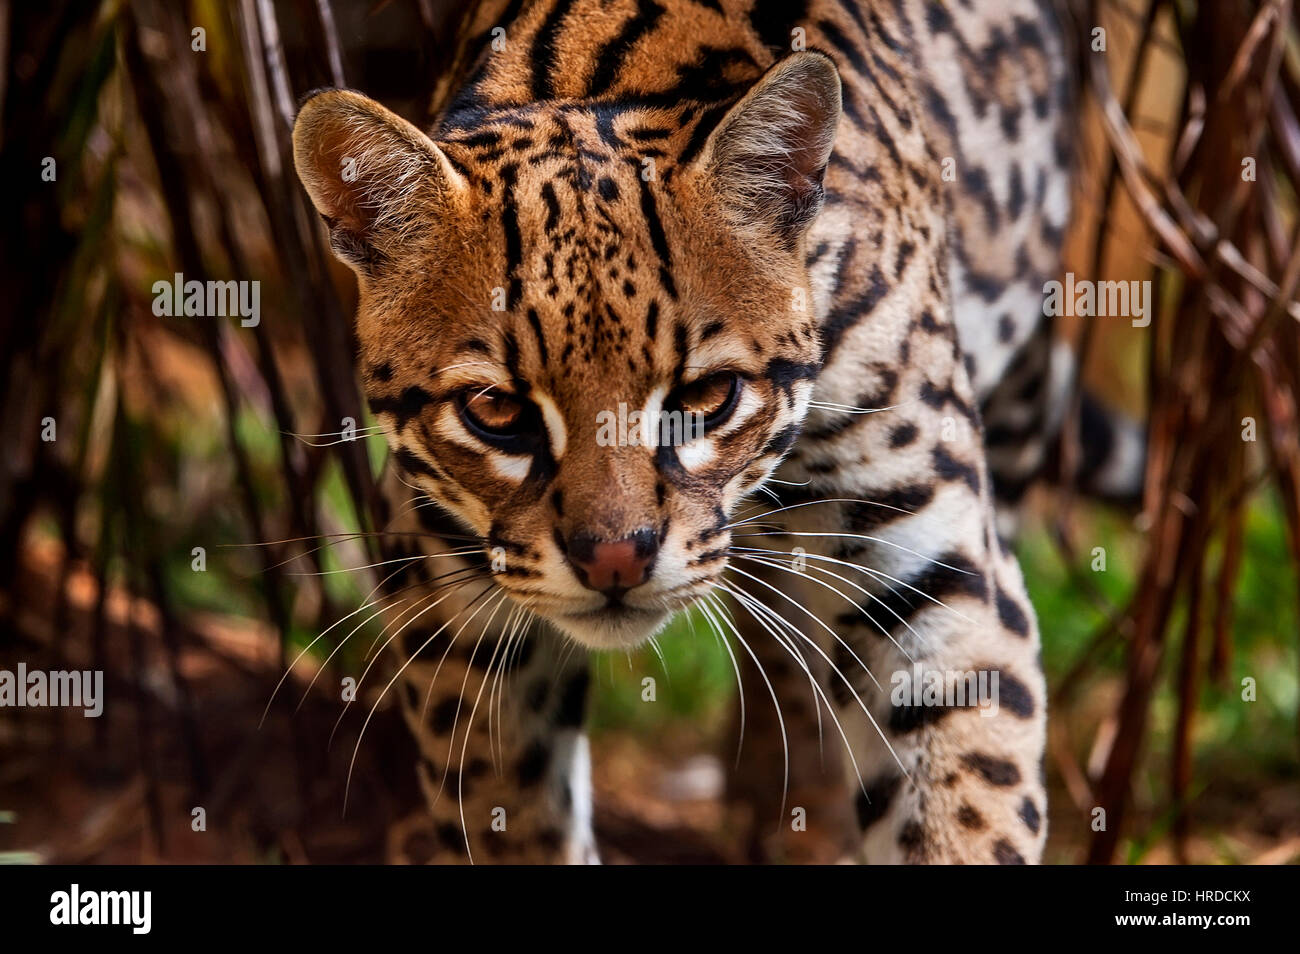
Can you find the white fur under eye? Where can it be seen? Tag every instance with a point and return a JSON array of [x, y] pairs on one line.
[[554, 422], [654, 406], [511, 466]]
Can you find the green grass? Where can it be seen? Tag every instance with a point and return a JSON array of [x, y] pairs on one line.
[[695, 687]]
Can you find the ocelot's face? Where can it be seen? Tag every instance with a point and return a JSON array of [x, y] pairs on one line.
[[588, 363]]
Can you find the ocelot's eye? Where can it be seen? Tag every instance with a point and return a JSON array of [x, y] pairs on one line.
[[712, 397], [491, 412]]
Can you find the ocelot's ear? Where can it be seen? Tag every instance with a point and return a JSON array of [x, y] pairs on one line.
[[768, 155], [371, 175]]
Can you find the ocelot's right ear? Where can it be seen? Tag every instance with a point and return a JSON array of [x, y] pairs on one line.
[[372, 175]]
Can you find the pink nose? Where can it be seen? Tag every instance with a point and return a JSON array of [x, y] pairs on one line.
[[613, 566]]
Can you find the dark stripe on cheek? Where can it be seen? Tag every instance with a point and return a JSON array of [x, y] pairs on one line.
[[782, 441], [412, 464], [403, 407]]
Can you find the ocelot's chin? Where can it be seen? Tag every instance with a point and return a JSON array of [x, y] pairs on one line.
[[623, 627]]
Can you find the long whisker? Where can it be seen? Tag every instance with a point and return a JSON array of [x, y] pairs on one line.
[[757, 609], [357, 748], [524, 634], [848, 684], [812, 681], [881, 575], [780, 719], [511, 631], [452, 589], [663, 663], [735, 666], [324, 665], [853, 409], [777, 565], [466, 572], [369, 603], [789, 483], [862, 536], [815, 618], [359, 434], [469, 666], [814, 503], [861, 569], [469, 727], [357, 430], [414, 558]]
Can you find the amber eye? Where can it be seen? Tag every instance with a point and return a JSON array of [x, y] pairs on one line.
[[494, 412], [711, 397]]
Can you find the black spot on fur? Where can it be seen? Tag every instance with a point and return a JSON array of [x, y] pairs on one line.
[[902, 435], [1014, 695], [950, 468], [449, 836], [536, 695], [911, 838], [969, 818], [403, 407], [1005, 854], [444, 715], [995, 771], [1012, 616], [532, 765], [1029, 815]]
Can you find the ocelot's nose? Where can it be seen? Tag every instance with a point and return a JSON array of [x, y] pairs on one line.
[[613, 566]]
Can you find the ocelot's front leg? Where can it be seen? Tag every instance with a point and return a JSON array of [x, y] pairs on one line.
[[936, 674], [494, 699], [503, 763]]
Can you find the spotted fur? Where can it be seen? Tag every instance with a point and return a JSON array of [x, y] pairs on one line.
[[622, 198]]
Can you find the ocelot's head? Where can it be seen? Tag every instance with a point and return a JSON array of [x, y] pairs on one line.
[[586, 330]]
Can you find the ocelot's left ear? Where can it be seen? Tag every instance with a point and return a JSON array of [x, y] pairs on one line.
[[768, 156], [372, 176]]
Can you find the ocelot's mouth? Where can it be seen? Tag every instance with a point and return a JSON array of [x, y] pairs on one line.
[[617, 626], [614, 612]]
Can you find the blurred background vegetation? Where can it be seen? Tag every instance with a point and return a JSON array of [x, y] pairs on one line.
[[171, 155]]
